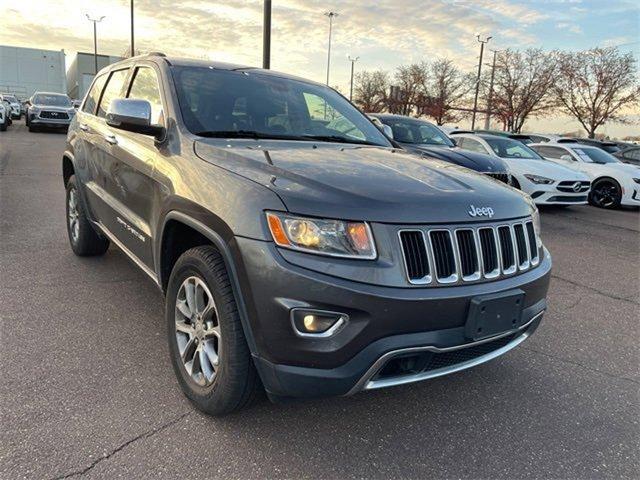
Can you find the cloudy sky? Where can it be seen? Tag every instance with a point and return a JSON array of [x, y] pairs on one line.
[[383, 34]]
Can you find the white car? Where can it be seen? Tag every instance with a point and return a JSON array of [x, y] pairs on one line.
[[613, 183], [4, 116], [546, 182], [16, 111]]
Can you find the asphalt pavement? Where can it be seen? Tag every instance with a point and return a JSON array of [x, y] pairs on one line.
[[87, 388]]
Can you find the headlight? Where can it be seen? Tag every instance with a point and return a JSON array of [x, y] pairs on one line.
[[336, 238], [535, 218], [538, 179]]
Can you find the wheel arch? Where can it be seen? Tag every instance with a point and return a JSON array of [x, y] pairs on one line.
[[193, 232], [68, 168]]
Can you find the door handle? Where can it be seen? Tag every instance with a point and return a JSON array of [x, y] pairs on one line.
[[84, 127], [110, 138]]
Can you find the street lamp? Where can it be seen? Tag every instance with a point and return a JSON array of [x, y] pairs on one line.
[[487, 119], [95, 40], [331, 16], [353, 60], [475, 100]]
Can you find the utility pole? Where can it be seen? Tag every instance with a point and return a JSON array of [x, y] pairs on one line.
[[132, 44], [95, 41], [331, 16], [266, 35], [487, 119], [475, 100], [353, 60]]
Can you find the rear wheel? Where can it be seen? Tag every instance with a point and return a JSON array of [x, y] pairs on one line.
[[208, 349], [605, 193], [84, 240]]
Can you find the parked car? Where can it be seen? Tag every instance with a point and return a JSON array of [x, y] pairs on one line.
[[629, 155], [296, 247], [52, 110], [613, 183], [424, 138], [607, 146], [5, 116], [521, 137], [13, 103], [543, 137], [545, 182]]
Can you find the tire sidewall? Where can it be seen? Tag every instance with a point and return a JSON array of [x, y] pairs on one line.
[[618, 198]]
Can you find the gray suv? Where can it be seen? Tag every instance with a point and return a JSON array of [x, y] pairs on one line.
[[298, 250], [49, 110]]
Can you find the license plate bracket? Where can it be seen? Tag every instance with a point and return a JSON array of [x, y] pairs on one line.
[[494, 313]]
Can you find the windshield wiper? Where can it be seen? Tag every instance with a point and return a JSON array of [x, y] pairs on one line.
[[245, 134], [338, 139]]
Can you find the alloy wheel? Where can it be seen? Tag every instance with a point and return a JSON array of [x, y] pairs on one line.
[[73, 215], [605, 194], [197, 331]]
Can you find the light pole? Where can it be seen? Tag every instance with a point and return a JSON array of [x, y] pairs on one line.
[[266, 35], [95, 40], [132, 45], [487, 119], [331, 16], [353, 61], [475, 100]]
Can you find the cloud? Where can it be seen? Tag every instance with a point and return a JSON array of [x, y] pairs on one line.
[[569, 27]]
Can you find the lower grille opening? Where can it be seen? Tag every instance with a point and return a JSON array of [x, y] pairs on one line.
[[412, 364]]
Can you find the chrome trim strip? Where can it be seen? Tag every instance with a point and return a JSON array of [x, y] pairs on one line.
[[535, 259], [127, 252], [340, 323], [426, 279], [365, 382], [453, 278], [120, 208], [524, 265], [477, 274]]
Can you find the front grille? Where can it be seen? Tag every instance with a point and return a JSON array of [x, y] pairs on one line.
[[574, 186], [54, 115], [466, 254], [503, 177], [566, 199], [427, 361]]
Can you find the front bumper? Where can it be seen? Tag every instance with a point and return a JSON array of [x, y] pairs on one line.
[[383, 322], [550, 195], [631, 195], [50, 122]]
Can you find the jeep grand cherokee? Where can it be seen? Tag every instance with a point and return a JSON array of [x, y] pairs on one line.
[[296, 247]]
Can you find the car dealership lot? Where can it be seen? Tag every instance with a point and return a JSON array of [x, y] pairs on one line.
[[88, 389]]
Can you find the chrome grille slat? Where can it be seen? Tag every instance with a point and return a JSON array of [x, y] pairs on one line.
[[450, 255]]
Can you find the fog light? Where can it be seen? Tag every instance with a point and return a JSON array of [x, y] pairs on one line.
[[314, 323]]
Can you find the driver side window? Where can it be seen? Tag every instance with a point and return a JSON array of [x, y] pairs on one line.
[[474, 146]]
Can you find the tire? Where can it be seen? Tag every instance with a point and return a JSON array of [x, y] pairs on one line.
[[605, 193], [32, 128], [3, 127], [84, 240], [218, 374]]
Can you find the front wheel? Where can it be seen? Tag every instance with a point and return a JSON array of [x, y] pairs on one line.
[[605, 193], [209, 353]]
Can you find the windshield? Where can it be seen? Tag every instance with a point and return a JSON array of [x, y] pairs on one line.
[[508, 148], [51, 99], [416, 132], [250, 104], [595, 155]]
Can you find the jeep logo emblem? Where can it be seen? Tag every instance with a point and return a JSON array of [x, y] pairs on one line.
[[480, 211]]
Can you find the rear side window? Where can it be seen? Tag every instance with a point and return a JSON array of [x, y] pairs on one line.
[[145, 87], [112, 91], [94, 94]]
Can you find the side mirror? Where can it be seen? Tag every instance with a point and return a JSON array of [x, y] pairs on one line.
[[453, 140], [388, 131], [133, 116], [566, 158]]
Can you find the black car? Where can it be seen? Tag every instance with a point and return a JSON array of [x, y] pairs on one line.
[[423, 137], [297, 249], [609, 147], [629, 155]]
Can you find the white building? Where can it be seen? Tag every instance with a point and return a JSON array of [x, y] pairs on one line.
[[82, 70], [24, 71]]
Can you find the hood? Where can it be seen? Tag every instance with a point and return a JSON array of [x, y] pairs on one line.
[[628, 168], [475, 161], [53, 108], [362, 182], [546, 168]]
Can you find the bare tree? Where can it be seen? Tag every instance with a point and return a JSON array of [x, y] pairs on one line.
[[370, 90], [522, 85], [595, 85], [411, 80], [446, 91]]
